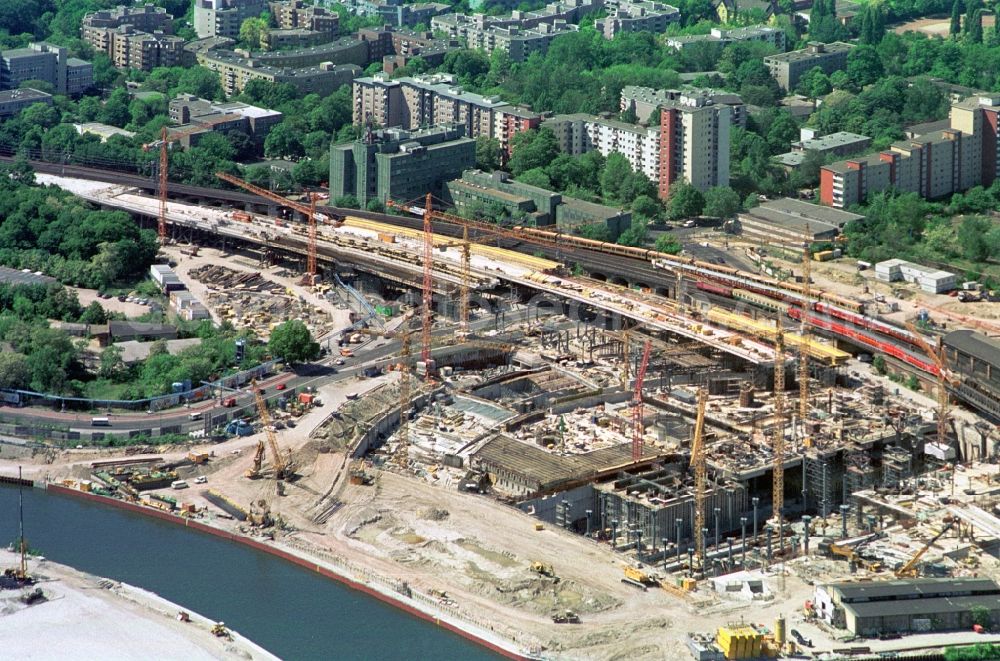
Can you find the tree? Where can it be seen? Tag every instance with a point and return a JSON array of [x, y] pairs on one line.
[[14, 370], [112, 366], [971, 7], [721, 202], [814, 83], [488, 152], [955, 27], [94, 314], [533, 149], [685, 201], [283, 141], [253, 32], [536, 177], [667, 244], [976, 27], [878, 363], [974, 238], [635, 235], [347, 202], [647, 207], [375, 206], [864, 66], [292, 341]]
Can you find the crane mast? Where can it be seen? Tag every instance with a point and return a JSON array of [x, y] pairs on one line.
[[778, 442], [161, 225], [804, 348], [637, 429], [700, 476], [428, 291]]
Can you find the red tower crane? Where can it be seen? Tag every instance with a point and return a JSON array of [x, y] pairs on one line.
[[637, 429]]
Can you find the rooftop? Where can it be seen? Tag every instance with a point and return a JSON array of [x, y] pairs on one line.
[[911, 588], [809, 53], [810, 211], [15, 277], [23, 94], [975, 344], [833, 141]]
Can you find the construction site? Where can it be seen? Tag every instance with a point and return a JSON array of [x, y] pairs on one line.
[[583, 469]]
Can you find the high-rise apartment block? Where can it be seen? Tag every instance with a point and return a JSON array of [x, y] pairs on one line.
[[394, 164], [134, 37], [690, 142], [48, 63], [296, 14], [223, 18], [644, 100], [410, 103], [636, 16], [932, 165]]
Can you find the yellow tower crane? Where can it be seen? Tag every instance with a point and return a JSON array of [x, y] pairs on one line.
[[700, 477], [778, 443], [804, 349], [405, 334]]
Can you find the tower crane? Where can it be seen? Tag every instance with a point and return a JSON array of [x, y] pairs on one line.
[[700, 476], [804, 348], [944, 377], [283, 468], [637, 409], [163, 171], [404, 334], [778, 442], [492, 229], [308, 210]]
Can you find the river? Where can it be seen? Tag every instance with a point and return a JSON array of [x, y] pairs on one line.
[[289, 611]]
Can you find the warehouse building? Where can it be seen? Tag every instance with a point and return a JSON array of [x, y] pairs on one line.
[[538, 206], [792, 222], [932, 281], [976, 359], [925, 604]]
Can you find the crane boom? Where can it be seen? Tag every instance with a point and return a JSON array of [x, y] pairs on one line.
[[804, 349], [161, 225], [700, 476], [428, 286], [637, 429], [282, 468], [944, 376], [910, 568]]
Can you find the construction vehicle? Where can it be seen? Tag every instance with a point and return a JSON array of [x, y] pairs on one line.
[[636, 576], [259, 515], [910, 569], [852, 555], [283, 467], [566, 617], [254, 471], [219, 629], [543, 569]]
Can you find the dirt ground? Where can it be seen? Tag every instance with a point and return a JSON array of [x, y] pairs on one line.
[[936, 26], [130, 310], [96, 618]]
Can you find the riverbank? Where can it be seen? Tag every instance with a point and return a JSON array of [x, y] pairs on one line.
[[88, 617], [338, 569]]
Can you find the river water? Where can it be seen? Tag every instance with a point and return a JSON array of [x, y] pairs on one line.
[[291, 612]]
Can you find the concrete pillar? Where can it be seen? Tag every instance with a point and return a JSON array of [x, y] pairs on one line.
[[844, 509], [806, 520]]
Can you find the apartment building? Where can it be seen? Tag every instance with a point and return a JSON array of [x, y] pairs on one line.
[[400, 165], [431, 100], [48, 63], [235, 72], [397, 13], [788, 68], [636, 16], [690, 142], [223, 18], [932, 165], [644, 100], [296, 14], [723, 37], [841, 143], [464, 26], [144, 18]]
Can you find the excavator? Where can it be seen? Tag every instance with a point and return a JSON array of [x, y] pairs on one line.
[[910, 569], [255, 471], [850, 553], [283, 467]]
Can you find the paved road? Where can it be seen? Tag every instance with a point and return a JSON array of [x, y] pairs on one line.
[[313, 375]]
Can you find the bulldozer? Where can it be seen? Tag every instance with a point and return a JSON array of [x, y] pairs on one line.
[[219, 629], [543, 569], [639, 577]]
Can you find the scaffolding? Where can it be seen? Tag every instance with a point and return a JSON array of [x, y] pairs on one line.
[[897, 466], [823, 475], [859, 474]]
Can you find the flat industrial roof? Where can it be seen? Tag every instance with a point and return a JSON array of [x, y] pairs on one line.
[[869, 591], [15, 277], [975, 344], [808, 54], [811, 211], [923, 607], [834, 140]]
